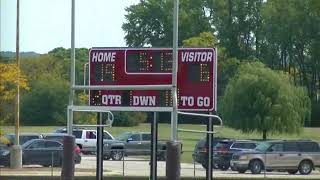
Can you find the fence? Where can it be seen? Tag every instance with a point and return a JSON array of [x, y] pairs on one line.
[[139, 165]]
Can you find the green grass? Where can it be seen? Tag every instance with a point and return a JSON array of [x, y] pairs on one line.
[[188, 139]]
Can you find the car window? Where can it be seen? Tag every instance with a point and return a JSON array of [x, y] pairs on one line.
[[24, 139], [54, 138], [51, 144], [91, 135], [238, 145], [263, 146], [124, 136], [291, 146], [222, 145], [37, 145], [276, 148], [308, 146], [146, 137], [135, 137], [106, 136], [77, 134], [249, 146]]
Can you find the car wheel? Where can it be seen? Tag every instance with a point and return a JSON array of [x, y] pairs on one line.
[[256, 167], [204, 165], [224, 167], [116, 154], [292, 171], [305, 167], [106, 157], [161, 157], [215, 166]]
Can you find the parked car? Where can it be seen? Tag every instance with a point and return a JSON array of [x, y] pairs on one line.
[[139, 143], [200, 154], [40, 152], [290, 156], [224, 150], [86, 140], [23, 137]]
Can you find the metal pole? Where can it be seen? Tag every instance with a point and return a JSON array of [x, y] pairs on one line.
[[16, 152], [18, 64], [209, 142], [99, 169], [154, 148], [85, 75], [51, 165], [174, 114], [72, 65]]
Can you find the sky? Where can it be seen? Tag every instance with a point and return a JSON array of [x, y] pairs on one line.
[[46, 24]]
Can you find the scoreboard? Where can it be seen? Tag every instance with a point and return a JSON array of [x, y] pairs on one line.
[[196, 77]]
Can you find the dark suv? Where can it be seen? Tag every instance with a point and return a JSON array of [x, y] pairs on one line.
[[224, 150], [201, 152]]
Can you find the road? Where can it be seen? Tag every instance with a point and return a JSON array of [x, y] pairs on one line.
[[140, 167]]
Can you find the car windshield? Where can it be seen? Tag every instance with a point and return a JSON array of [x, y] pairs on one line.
[[263, 146], [26, 144], [123, 136]]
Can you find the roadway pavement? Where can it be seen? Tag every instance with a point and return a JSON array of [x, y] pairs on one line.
[[140, 167]]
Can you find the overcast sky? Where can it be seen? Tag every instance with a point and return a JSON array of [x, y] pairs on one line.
[[46, 24]]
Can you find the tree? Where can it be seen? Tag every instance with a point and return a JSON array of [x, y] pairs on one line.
[[260, 99], [238, 25], [8, 82], [150, 22], [226, 66], [46, 103]]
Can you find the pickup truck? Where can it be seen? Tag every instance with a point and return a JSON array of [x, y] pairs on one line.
[[139, 143], [86, 140]]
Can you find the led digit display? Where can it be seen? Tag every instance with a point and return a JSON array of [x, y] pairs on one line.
[[198, 72], [138, 62], [104, 72]]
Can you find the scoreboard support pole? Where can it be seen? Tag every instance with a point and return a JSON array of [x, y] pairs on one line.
[[174, 114], [154, 147], [99, 155], [209, 143], [173, 173]]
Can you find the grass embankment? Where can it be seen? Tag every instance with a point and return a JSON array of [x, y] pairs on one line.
[[188, 139]]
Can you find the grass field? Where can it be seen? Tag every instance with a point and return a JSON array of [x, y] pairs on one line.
[[188, 139]]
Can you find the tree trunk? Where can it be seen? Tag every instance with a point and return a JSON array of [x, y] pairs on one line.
[[264, 135]]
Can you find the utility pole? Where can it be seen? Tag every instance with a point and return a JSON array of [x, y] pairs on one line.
[[72, 69], [16, 152]]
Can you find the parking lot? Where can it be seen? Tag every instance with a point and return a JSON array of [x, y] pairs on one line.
[[132, 166]]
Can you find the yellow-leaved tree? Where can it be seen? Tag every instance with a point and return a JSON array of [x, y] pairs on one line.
[[9, 80]]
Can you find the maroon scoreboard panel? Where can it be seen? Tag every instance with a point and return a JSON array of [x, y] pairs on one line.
[[196, 77]]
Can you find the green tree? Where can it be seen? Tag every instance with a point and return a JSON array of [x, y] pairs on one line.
[[260, 99], [238, 25], [46, 102], [150, 22], [226, 66]]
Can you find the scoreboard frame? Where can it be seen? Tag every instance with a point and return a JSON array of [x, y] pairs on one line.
[[165, 77]]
